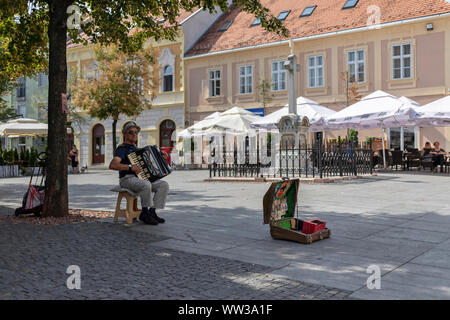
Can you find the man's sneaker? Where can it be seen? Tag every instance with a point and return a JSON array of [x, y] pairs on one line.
[[154, 216], [147, 218]]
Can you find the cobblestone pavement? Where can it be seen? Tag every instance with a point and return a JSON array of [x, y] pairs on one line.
[[118, 263], [397, 221]]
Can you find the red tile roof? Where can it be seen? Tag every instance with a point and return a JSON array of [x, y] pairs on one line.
[[327, 17]]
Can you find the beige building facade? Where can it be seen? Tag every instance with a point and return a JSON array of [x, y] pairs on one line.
[[166, 116], [409, 57]]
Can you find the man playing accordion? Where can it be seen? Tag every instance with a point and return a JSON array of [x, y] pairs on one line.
[[129, 180]]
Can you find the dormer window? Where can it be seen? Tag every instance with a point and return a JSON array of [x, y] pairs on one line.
[[256, 22], [308, 11], [350, 4], [283, 15]]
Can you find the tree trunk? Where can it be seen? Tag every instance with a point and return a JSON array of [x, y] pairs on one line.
[[56, 189], [114, 134]]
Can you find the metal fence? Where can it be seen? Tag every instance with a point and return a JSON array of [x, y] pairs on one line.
[[317, 161]]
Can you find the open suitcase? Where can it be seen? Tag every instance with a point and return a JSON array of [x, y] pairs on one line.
[[279, 205]]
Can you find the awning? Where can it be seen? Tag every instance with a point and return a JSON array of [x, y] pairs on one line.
[[23, 126]]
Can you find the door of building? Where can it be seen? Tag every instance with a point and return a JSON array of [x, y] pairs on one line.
[[98, 144], [166, 130]]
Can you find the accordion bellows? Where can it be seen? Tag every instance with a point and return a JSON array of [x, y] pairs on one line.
[[152, 163]]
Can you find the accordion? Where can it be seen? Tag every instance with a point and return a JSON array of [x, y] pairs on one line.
[[152, 163]]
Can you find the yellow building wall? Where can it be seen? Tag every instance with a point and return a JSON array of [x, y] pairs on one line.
[[82, 56], [432, 83]]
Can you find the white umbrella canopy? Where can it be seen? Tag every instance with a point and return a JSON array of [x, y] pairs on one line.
[[377, 110], [23, 126], [213, 115], [233, 121], [407, 105], [315, 112], [436, 113], [187, 133]]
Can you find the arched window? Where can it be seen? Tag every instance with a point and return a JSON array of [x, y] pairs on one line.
[[168, 78]]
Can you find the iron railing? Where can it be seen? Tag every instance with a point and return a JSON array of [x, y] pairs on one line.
[[317, 161]]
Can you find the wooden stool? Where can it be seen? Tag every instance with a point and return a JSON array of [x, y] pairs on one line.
[[131, 212]]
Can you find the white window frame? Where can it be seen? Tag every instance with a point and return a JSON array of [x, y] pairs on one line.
[[402, 58], [246, 78], [42, 80], [278, 82], [355, 63], [22, 108], [215, 82], [21, 88], [168, 74], [91, 71], [316, 68]]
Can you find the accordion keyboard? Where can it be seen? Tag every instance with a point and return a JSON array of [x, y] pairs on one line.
[[144, 174], [152, 163]]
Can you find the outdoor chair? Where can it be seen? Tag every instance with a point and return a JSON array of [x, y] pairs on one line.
[[447, 164], [388, 156], [397, 159], [413, 159], [427, 162], [376, 160]]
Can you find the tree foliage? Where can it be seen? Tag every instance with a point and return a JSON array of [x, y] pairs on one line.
[[6, 111], [34, 32], [351, 89], [23, 39], [122, 85], [75, 117], [264, 92]]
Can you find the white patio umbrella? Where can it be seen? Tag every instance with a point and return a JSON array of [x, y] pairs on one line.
[[436, 113], [188, 133], [377, 110], [315, 112], [213, 115], [233, 121]]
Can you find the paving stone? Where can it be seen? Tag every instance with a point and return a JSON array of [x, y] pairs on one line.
[[214, 243], [112, 270]]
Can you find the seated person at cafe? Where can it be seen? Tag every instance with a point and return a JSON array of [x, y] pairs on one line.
[[438, 155], [426, 150]]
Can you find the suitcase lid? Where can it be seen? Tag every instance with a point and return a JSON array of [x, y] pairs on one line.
[[285, 191]]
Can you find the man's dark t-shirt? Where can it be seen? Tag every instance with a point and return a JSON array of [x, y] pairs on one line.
[[122, 151]]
